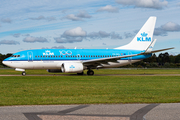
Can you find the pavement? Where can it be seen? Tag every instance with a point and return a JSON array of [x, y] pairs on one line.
[[170, 111]]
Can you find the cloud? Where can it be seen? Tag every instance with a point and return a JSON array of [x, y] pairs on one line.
[[83, 14], [78, 17], [73, 17], [160, 32], [68, 39], [103, 43], [168, 27], [26, 35], [6, 20], [100, 34], [41, 17], [154, 4], [108, 8], [76, 32], [55, 47], [58, 47], [71, 36], [128, 35], [115, 36], [32, 39], [9, 42], [16, 35], [103, 34]]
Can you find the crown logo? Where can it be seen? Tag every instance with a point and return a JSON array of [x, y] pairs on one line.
[[71, 66], [144, 34]]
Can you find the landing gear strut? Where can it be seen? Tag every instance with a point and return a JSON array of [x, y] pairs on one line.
[[23, 73], [90, 72]]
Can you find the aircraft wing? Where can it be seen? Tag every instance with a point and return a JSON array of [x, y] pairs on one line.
[[95, 62]]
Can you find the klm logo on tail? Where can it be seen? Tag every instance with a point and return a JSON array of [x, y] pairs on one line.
[[144, 38]]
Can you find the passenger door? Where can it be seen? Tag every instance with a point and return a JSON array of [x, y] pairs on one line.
[[30, 56]]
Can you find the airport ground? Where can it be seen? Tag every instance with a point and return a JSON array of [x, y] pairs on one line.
[[116, 94]]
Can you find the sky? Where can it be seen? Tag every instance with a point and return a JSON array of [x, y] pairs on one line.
[[85, 24]]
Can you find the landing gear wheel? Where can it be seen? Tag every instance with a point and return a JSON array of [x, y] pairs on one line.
[[80, 73], [90, 72], [23, 73]]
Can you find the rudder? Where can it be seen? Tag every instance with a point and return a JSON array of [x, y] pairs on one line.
[[143, 38]]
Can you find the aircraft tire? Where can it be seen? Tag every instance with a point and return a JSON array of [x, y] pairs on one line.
[[90, 72], [23, 73]]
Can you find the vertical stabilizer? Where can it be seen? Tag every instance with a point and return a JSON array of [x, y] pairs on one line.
[[143, 38]]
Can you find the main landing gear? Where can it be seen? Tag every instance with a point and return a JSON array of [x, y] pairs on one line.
[[90, 72], [23, 73]]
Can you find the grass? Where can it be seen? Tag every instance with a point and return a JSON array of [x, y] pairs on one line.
[[45, 90], [101, 71]]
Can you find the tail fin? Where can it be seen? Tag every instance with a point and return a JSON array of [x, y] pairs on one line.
[[143, 38]]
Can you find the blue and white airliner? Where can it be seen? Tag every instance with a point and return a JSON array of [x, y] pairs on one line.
[[78, 60]]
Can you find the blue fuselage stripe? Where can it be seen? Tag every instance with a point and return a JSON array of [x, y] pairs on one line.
[[73, 54]]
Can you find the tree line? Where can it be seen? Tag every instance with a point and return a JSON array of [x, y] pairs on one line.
[[163, 60]]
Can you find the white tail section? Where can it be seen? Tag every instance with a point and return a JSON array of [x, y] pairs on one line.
[[143, 38]]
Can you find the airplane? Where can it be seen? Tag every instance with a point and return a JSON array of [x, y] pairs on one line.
[[78, 60]]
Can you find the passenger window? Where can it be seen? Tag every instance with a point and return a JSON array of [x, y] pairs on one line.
[[36, 56]]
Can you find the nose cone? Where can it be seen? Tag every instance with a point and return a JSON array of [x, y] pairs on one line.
[[4, 62]]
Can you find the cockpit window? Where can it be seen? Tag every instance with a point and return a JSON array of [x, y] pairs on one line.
[[15, 56]]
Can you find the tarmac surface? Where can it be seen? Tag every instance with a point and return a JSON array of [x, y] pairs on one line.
[[92, 112]]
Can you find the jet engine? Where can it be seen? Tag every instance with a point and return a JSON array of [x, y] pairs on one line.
[[72, 67]]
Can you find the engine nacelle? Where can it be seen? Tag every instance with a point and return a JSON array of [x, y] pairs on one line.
[[54, 70], [72, 67]]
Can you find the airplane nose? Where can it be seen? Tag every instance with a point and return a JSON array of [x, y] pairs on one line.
[[4, 62]]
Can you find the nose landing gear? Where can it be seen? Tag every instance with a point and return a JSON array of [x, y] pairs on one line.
[[23, 73]]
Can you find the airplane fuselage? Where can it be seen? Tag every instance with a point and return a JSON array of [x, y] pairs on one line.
[[53, 58]]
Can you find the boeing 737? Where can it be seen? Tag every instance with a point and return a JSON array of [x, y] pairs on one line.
[[78, 60]]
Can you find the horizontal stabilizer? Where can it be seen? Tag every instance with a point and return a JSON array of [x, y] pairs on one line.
[[155, 51]]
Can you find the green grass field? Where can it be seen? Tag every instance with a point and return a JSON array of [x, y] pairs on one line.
[[101, 71], [46, 90]]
